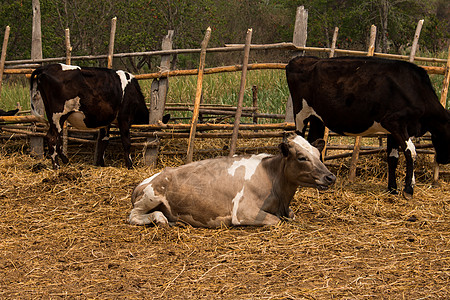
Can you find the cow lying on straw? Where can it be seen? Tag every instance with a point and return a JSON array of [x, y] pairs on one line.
[[239, 190]]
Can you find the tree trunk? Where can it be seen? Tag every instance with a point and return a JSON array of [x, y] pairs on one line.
[[384, 11], [36, 38]]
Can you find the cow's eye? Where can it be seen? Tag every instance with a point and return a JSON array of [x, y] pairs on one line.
[[302, 158]]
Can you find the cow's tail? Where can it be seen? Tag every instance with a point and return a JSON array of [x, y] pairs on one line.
[[36, 101]]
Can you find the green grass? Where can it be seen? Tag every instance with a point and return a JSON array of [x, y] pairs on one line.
[[13, 93], [221, 88]]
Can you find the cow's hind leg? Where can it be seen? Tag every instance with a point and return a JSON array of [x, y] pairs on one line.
[[102, 143], [392, 159]]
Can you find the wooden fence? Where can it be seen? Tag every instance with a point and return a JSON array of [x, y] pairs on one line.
[[148, 136]]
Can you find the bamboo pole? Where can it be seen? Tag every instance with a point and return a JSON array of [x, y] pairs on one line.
[[443, 101], [255, 104], [415, 41], [159, 88], [68, 47], [356, 148], [327, 130], [68, 62], [237, 117], [446, 81], [198, 96], [3, 56], [212, 126], [111, 42], [232, 48], [214, 70]]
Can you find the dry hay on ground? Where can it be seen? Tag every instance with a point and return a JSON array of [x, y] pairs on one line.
[[64, 235]]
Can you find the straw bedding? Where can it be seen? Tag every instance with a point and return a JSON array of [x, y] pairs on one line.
[[64, 234]]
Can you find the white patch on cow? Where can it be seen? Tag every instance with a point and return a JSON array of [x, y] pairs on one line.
[[250, 164], [65, 67], [376, 128], [106, 138], [307, 146], [411, 148], [123, 79], [394, 153], [235, 201], [148, 180], [54, 153], [71, 105], [303, 114]]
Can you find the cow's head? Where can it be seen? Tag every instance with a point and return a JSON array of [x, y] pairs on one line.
[[303, 166]]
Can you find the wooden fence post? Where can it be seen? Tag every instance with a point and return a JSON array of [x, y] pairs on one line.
[[36, 142], [299, 40], [327, 131], [198, 96], [443, 100], [158, 96], [255, 103], [68, 62], [237, 117], [356, 147], [415, 41], [111, 42], [3, 56]]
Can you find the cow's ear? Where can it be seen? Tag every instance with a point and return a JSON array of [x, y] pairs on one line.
[[319, 144], [284, 149]]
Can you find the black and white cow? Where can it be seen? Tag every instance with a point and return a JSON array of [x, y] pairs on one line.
[[364, 95], [240, 190], [87, 98]]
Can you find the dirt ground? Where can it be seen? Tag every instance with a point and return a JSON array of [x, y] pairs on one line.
[[63, 234]]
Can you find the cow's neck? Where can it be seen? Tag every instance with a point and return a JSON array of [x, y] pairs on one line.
[[282, 189]]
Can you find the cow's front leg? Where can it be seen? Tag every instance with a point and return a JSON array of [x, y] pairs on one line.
[[252, 215], [102, 143], [54, 146], [124, 128], [392, 159], [410, 157]]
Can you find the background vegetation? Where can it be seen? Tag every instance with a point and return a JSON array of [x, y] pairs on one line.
[[143, 23]]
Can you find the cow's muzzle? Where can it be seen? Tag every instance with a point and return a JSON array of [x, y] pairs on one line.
[[326, 182]]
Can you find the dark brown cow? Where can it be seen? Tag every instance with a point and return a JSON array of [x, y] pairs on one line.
[[87, 98], [240, 190], [363, 95]]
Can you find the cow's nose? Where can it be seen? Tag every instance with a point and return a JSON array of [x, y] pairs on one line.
[[330, 179]]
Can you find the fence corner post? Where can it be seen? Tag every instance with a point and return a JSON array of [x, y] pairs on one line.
[[159, 88], [299, 40]]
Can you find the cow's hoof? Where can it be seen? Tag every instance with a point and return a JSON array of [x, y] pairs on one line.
[[64, 159], [435, 184], [407, 196], [393, 191]]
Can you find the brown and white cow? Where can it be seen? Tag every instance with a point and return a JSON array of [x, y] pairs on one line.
[[88, 98], [239, 190]]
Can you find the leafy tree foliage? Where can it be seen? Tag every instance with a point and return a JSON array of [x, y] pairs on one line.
[[141, 24]]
